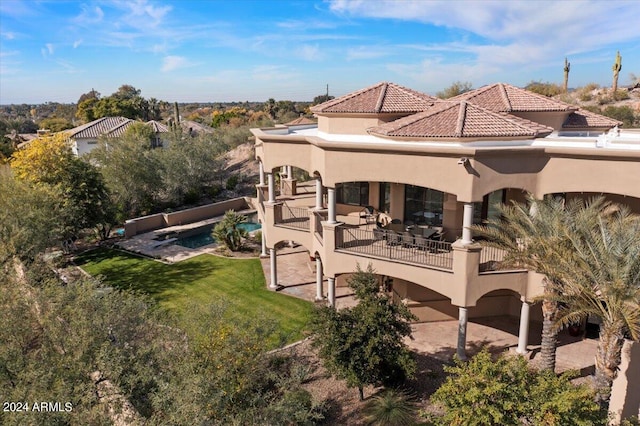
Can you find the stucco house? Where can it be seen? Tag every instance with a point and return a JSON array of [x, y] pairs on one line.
[[433, 168], [84, 138]]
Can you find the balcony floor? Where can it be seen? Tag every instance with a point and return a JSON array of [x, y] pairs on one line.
[[297, 278]]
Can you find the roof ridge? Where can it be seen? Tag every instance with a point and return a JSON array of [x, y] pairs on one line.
[[462, 114], [505, 96], [381, 97]]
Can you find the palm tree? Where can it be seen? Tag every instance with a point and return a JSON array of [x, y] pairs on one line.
[[531, 237], [602, 279], [228, 231]]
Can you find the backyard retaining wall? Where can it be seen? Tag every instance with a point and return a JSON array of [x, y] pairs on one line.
[[152, 222]]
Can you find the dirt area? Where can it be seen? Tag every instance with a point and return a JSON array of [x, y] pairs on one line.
[[345, 408]]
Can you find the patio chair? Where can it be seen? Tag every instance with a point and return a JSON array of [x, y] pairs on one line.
[[379, 234], [394, 238], [407, 239], [421, 243]]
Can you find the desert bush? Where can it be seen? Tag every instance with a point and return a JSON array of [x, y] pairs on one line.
[[391, 407], [545, 89], [506, 390]]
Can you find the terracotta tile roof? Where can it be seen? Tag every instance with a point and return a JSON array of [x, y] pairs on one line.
[[585, 119], [300, 121], [111, 127], [460, 120], [380, 98], [501, 97]]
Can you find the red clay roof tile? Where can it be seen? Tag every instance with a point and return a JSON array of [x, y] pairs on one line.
[[380, 98]]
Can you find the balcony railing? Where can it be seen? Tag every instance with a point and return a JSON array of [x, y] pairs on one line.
[[490, 258], [293, 217], [393, 246], [319, 219]]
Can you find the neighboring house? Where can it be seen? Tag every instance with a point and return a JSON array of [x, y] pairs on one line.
[[437, 167], [84, 138], [193, 128]]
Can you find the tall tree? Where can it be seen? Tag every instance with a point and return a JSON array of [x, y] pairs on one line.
[[617, 67], [567, 68], [82, 194], [529, 233], [364, 344], [132, 172], [602, 279]]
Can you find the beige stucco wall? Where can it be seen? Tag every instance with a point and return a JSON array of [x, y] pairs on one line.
[[625, 392]]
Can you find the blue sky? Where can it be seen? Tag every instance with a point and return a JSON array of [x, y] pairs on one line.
[[206, 51]]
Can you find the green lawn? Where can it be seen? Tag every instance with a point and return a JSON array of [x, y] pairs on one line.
[[202, 280]]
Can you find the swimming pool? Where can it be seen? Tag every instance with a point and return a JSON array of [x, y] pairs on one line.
[[203, 236]]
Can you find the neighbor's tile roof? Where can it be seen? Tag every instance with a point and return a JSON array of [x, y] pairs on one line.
[[381, 98], [96, 128], [157, 126], [300, 121], [460, 120], [110, 126], [586, 119], [501, 97]]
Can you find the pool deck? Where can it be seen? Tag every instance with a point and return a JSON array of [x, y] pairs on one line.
[[148, 244]]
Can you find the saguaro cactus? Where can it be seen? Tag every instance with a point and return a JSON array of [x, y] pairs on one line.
[[567, 68], [617, 66]]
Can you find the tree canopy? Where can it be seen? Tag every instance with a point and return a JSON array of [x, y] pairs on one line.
[[77, 186], [364, 344]]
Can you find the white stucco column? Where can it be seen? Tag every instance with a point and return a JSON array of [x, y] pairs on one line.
[[523, 335], [319, 292], [289, 172], [261, 167], [462, 333], [263, 253], [331, 201], [467, 221], [272, 188], [332, 291], [274, 269], [318, 193]]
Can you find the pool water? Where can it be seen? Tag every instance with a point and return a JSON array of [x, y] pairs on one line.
[[204, 238]]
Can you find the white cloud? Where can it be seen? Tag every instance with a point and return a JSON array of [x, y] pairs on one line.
[[8, 35], [171, 63], [77, 43], [89, 15], [47, 50], [308, 52], [509, 33]]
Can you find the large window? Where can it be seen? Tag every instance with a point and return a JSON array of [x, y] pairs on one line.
[[385, 197], [488, 209], [355, 193], [423, 206]]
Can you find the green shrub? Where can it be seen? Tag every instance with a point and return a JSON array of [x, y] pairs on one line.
[[390, 408], [192, 196], [227, 231], [232, 182], [507, 391], [622, 113], [545, 89]]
